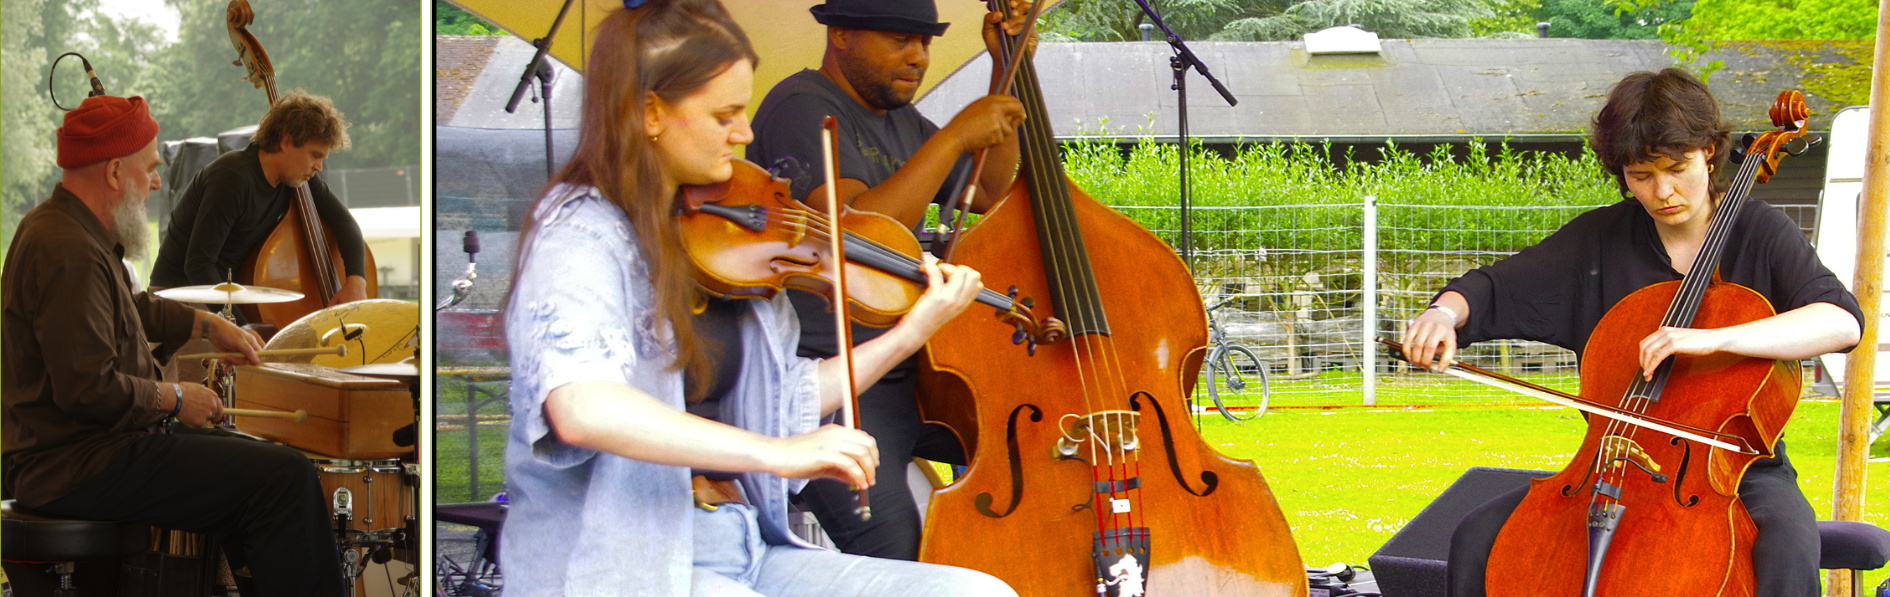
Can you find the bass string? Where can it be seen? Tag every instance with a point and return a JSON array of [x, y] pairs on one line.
[[1061, 243], [1076, 277]]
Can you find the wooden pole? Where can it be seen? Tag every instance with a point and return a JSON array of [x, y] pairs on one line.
[[1847, 503]]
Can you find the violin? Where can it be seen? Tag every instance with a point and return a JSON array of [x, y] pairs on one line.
[[1084, 478], [748, 237], [300, 254], [1636, 497]]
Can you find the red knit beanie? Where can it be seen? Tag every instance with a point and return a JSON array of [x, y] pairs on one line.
[[105, 127]]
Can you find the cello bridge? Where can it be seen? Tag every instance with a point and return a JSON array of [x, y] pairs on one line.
[[1614, 448]]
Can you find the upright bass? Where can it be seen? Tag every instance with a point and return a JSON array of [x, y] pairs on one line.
[[1646, 512], [1085, 477], [300, 254]]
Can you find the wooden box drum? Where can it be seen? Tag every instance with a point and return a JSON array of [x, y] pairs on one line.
[[349, 416]]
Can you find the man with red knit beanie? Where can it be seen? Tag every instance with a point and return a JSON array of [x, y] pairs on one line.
[[87, 425]]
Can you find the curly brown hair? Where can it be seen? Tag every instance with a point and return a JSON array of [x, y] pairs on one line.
[[302, 118]]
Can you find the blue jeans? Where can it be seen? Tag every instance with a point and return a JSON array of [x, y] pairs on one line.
[[732, 560]]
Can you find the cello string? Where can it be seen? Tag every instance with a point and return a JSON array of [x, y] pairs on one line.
[[1685, 307]]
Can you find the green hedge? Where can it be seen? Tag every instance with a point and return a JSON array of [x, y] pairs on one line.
[[1304, 177]]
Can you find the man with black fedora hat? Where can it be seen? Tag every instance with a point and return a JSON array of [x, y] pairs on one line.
[[892, 161], [86, 419]]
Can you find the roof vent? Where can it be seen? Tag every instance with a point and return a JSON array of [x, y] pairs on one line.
[[1341, 40]]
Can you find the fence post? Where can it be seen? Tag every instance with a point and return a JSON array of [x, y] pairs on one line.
[[1368, 314]]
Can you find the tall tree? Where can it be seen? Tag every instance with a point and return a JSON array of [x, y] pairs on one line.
[[1601, 19], [364, 55]]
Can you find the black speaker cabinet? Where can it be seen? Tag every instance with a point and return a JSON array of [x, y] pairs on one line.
[[1412, 563]]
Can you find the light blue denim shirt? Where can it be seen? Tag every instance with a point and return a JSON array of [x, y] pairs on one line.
[[588, 523]]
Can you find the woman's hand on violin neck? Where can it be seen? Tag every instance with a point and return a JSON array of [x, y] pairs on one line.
[[949, 289], [830, 452]]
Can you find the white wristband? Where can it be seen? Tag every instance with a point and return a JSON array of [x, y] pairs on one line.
[[1448, 311]]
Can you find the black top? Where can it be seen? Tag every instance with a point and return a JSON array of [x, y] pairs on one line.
[[871, 148], [1558, 290], [721, 325], [228, 209]]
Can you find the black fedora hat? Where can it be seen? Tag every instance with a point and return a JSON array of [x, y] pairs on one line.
[[896, 16]]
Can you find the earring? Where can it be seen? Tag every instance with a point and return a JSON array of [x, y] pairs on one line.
[[653, 138]]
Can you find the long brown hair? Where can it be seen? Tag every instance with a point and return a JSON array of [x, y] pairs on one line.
[[670, 48]]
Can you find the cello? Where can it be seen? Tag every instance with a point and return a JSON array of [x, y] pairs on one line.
[[1633, 496], [300, 254], [1084, 478]]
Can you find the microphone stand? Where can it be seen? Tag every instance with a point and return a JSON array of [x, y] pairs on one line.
[[539, 69], [1183, 60]]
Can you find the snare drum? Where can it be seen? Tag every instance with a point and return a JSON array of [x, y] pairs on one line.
[[375, 494]]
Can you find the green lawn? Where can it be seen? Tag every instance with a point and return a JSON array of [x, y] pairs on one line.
[[1348, 477]]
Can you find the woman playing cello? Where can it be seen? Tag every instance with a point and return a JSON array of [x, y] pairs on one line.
[[625, 386], [1661, 137]]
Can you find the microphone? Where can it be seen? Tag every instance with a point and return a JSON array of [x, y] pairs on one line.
[[97, 89]]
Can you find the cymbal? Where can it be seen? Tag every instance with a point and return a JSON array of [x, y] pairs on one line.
[[401, 369], [229, 294]]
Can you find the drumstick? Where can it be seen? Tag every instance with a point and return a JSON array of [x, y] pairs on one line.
[[300, 416], [337, 350]]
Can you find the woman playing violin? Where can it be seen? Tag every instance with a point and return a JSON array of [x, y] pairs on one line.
[[1661, 137], [657, 432]]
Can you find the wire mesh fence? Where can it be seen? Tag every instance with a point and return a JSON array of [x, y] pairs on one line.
[[1300, 309]]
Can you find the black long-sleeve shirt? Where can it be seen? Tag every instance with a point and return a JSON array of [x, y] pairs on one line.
[[1557, 291], [231, 207]]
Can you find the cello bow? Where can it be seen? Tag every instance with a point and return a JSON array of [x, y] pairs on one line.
[[1499, 381]]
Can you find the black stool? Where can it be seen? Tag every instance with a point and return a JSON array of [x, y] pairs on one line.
[[1852, 546], [30, 537]]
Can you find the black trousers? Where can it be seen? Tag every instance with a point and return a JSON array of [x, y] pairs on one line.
[[890, 413], [262, 501], [1784, 555]]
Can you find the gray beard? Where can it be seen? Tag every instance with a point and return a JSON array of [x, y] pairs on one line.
[[128, 219]]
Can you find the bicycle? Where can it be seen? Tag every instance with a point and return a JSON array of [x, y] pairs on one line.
[[1235, 367]]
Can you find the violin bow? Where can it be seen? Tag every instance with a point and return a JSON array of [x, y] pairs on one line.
[[1503, 382], [951, 209], [843, 330]]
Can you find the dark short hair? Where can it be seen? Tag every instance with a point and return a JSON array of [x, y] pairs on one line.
[[1668, 113], [302, 118]]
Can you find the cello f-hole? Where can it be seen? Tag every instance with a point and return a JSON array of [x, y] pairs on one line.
[[1680, 476], [983, 500], [1209, 480]]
